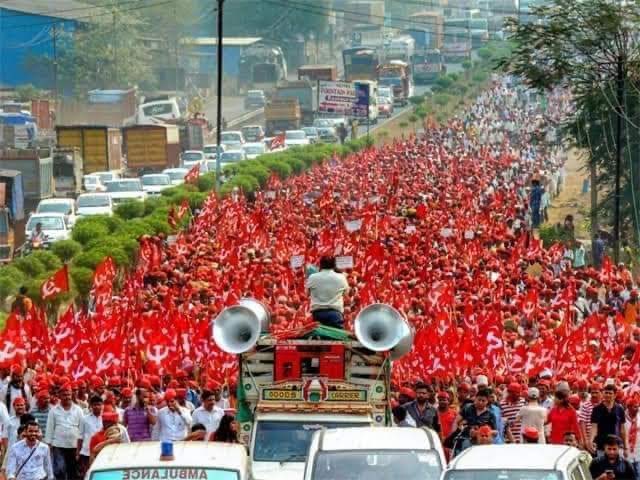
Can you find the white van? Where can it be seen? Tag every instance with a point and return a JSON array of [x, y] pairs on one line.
[[158, 112], [375, 452], [191, 461], [520, 462]]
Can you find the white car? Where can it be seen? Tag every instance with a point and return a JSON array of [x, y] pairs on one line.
[[176, 175], [295, 138], [232, 156], [65, 206], [154, 183], [190, 157], [92, 183], [210, 151], [126, 189], [54, 226], [94, 204], [108, 176], [252, 150], [232, 139]]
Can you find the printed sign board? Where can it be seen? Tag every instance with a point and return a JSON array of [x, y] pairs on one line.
[[361, 104], [336, 97]]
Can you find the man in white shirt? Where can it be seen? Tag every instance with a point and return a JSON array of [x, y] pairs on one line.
[[174, 421], [91, 423], [29, 459], [326, 289], [208, 414], [63, 432], [10, 429], [14, 388]]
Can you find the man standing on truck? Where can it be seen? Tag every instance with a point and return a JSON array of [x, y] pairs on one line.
[[326, 288]]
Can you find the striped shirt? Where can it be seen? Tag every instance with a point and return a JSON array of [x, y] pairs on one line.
[[41, 417], [137, 422], [510, 414], [584, 417]]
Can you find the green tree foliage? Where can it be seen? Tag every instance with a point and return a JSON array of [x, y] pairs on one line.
[[65, 250]]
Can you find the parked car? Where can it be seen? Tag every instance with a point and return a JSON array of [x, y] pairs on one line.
[[126, 189], [154, 183], [255, 99], [54, 226], [295, 138], [328, 134], [94, 204], [311, 133], [252, 133], [252, 150], [210, 151], [385, 107], [176, 175], [65, 206], [232, 156], [92, 183], [232, 139]]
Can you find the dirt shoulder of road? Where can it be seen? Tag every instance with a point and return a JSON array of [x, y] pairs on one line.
[[571, 200]]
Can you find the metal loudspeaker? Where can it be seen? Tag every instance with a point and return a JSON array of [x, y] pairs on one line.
[[237, 328], [380, 328]]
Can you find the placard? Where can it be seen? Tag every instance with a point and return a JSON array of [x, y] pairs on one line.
[[469, 234], [410, 229], [344, 262], [353, 225], [297, 261], [270, 194], [446, 232]]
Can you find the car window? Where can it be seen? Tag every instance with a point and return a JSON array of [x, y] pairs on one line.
[[93, 201], [48, 223], [124, 186], [191, 157]]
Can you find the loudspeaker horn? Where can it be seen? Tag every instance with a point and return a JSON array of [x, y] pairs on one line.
[[238, 328], [380, 327]]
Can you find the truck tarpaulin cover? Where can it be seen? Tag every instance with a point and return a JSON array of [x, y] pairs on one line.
[[336, 97]]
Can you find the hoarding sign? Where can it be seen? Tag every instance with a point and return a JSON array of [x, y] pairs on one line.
[[361, 104], [336, 97]]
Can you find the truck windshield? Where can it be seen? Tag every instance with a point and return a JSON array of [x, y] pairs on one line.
[[158, 109], [281, 441], [368, 464], [502, 475], [390, 81], [154, 473]]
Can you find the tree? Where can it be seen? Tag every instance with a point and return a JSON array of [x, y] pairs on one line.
[[105, 53], [591, 48]]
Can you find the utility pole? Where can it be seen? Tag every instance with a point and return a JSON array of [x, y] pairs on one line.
[[618, 194], [219, 99], [55, 64], [115, 48]]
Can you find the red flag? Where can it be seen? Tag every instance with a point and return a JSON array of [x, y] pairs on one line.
[[277, 141], [193, 174], [184, 208], [57, 283]]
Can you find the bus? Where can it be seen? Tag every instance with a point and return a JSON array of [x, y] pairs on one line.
[[360, 63]]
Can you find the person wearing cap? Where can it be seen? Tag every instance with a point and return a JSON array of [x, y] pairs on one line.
[[545, 400], [10, 429], [191, 396], [126, 397], [571, 439], [562, 418], [446, 414], [484, 435], [326, 289], [611, 465], [584, 414], [510, 406], [41, 410], [140, 418], [421, 411], [478, 413], [112, 432], [533, 415], [174, 421], [91, 423], [15, 388], [208, 414], [30, 459], [530, 435], [400, 417], [607, 418], [63, 432]]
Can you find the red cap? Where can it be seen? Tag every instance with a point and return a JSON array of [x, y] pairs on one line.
[[595, 386], [574, 400], [531, 433], [485, 430], [110, 417], [19, 401], [181, 374], [464, 387], [155, 380], [16, 368], [170, 394], [115, 381], [65, 388], [181, 393], [42, 394], [407, 392], [514, 388], [97, 382], [127, 393], [443, 395]]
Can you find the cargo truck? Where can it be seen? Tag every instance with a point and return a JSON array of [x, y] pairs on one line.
[[321, 377], [305, 92], [151, 148], [360, 63], [396, 76], [427, 29], [36, 167], [68, 168], [12, 217], [282, 114], [100, 147], [457, 41], [113, 108], [314, 73]]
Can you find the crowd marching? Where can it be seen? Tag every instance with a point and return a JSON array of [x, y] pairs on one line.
[[514, 342]]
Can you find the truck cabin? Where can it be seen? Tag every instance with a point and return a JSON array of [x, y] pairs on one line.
[[318, 72], [360, 63], [11, 213]]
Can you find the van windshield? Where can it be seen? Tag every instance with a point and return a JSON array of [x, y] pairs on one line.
[[371, 464], [280, 441], [502, 475], [153, 473]]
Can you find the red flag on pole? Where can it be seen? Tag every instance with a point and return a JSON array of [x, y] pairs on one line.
[[57, 283], [277, 141], [193, 174]]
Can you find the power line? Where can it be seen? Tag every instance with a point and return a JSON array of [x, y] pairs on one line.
[[53, 13]]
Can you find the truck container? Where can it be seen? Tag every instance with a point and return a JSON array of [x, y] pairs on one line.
[[429, 23], [151, 148], [191, 135], [67, 172], [314, 73], [100, 147], [41, 111], [282, 114], [113, 108], [12, 217], [307, 95], [36, 167]]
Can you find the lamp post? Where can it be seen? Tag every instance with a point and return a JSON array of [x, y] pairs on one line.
[[219, 92]]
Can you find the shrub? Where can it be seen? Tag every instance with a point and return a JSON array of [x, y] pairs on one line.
[[30, 266], [197, 199], [485, 53], [441, 99], [479, 77], [416, 100], [207, 182], [82, 279], [49, 259], [467, 64], [258, 171], [130, 209], [297, 165], [92, 257], [89, 229], [444, 82], [278, 167], [453, 77], [134, 228], [65, 250], [154, 203]]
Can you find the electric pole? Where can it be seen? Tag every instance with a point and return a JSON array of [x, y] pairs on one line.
[[618, 194], [219, 99]]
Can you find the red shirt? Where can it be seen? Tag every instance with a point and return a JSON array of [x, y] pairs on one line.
[[446, 420], [97, 439], [562, 420]]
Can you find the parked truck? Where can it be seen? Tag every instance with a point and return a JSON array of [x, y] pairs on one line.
[[427, 29], [261, 67], [428, 66], [12, 217], [396, 75], [314, 73], [68, 168], [112, 108], [36, 167], [100, 147], [282, 114], [321, 378], [457, 42], [307, 95], [151, 148]]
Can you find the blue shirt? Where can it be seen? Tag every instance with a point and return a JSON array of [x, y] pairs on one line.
[[499, 438]]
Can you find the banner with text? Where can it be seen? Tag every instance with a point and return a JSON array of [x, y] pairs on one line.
[[336, 97]]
